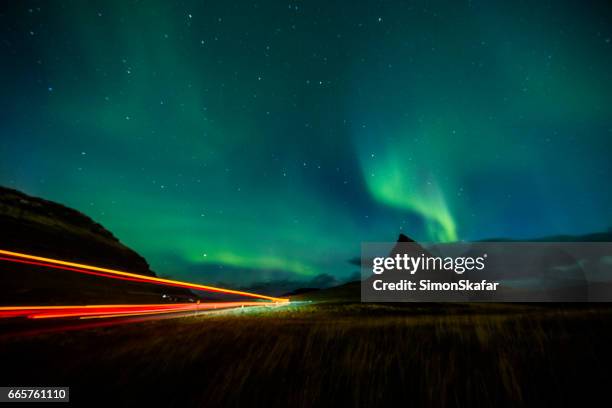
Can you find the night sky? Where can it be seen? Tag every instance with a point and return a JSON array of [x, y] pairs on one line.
[[244, 142]]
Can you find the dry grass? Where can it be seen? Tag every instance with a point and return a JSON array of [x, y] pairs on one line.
[[331, 354]]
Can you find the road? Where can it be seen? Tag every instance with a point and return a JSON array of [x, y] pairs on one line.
[[16, 321]]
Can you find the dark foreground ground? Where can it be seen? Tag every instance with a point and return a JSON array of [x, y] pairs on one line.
[[331, 354]]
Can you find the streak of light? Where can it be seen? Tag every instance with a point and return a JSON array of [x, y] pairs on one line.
[[107, 311], [89, 322], [112, 273]]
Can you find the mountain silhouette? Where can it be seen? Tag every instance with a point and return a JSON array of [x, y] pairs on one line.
[[37, 226]]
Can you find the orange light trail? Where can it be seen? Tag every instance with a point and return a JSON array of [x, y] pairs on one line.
[[112, 273]]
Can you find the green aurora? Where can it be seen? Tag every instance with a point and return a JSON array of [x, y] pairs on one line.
[[242, 142]]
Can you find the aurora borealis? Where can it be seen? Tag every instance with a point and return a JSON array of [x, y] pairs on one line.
[[247, 142]]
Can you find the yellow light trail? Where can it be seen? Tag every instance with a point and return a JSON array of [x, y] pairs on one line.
[[144, 278]]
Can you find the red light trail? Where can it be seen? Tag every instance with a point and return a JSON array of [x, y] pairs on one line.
[[99, 311], [106, 311]]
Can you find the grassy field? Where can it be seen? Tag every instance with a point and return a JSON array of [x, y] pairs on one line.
[[340, 354]]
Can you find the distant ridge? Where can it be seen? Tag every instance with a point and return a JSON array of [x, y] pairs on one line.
[[351, 291], [592, 237]]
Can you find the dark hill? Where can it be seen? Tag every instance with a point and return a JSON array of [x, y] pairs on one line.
[[34, 225], [45, 228]]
